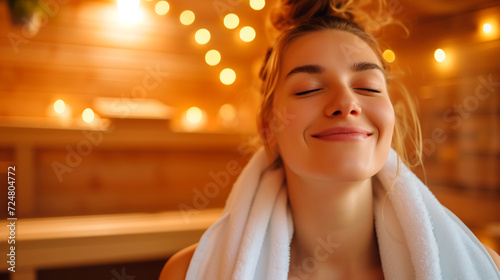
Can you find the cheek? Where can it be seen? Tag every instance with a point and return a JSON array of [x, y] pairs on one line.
[[285, 121], [288, 122], [384, 118], [384, 122], [389, 119]]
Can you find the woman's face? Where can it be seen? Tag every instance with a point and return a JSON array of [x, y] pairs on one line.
[[332, 116]]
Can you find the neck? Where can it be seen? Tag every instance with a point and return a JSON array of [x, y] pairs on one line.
[[333, 225]]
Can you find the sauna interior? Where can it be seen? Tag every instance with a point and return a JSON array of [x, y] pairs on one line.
[[127, 121]]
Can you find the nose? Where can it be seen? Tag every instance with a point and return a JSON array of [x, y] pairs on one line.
[[342, 103]]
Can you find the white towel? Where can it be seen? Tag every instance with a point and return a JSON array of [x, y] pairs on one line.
[[418, 237]]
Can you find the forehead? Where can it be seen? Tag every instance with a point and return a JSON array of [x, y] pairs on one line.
[[334, 48]]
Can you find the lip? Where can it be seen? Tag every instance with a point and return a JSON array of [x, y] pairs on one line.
[[343, 133]]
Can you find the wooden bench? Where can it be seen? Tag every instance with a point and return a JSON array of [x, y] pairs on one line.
[[92, 240]]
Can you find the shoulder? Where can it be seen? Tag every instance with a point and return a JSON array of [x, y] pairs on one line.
[[494, 255], [177, 266]]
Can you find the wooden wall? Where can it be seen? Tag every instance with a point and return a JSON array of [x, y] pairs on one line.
[[459, 106], [66, 173], [81, 52], [459, 99]]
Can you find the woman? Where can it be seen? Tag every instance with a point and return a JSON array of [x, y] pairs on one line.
[[336, 203]]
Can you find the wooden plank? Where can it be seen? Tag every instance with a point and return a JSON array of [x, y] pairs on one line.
[[92, 240]]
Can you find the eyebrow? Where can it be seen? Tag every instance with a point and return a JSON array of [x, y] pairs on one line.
[[309, 69], [363, 66], [318, 69]]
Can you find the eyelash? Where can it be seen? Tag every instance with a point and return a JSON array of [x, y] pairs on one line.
[[314, 90], [307, 91], [369, 89]]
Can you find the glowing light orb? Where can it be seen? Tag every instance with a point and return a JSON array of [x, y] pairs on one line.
[[187, 17], [88, 115], [212, 57], [227, 76], [59, 106], [231, 21], [389, 56], [439, 55], [162, 7], [247, 34], [202, 36]]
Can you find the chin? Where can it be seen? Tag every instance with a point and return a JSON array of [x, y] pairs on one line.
[[346, 175], [331, 170]]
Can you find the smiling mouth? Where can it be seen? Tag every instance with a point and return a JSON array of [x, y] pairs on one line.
[[343, 133]]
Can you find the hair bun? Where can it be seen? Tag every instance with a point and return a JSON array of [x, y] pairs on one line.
[[289, 13]]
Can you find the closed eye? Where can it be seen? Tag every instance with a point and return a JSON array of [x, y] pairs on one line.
[[307, 91], [369, 90]]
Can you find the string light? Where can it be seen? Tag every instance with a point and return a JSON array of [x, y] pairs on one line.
[[257, 4], [202, 36], [389, 56], [227, 76], [88, 115], [129, 12], [231, 21], [227, 112], [439, 55], [212, 57], [59, 106], [194, 115], [162, 7], [193, 118], [487, 28], [187, 17], [247, 34]]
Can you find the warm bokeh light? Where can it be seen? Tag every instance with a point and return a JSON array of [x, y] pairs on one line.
[[487, 28], [187, 17], [193, 118], [59, 106], [194, 115], [129, 12], [227, 76], [439, 55], [389, 56], [61, 110], [88, 115], [231, 21], [257, 4], [162, 7], [202, 36], [212, 57], [247, 34], [227, 112]]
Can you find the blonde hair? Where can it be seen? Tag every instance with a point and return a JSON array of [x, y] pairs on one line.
[[293, 19]]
